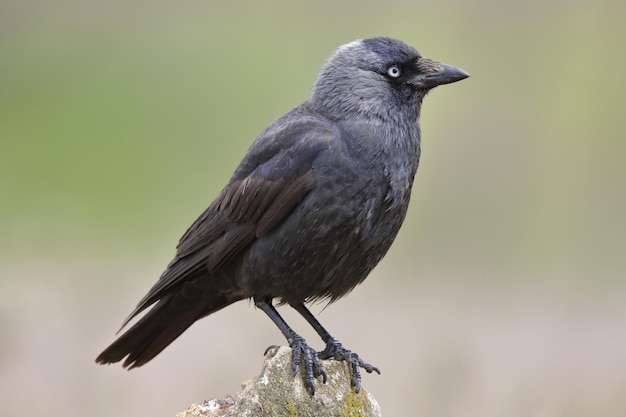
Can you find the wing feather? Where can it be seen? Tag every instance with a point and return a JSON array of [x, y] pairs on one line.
[[269, 183]]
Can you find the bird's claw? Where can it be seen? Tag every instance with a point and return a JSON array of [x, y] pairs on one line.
[[303, 353], [335, 350], [270, 347]]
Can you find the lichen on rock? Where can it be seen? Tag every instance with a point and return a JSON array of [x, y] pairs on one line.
[[276, 392]]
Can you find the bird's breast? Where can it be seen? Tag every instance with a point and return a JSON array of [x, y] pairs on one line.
[[332, 239]]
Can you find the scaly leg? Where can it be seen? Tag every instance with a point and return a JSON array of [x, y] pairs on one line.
[[302, 352], [335, 350]]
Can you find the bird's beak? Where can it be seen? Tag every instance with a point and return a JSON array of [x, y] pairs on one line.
[[432, 73]]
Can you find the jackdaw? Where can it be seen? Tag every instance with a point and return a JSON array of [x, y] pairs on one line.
[[313, 206]]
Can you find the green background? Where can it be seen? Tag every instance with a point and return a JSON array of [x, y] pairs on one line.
[[503, 294]]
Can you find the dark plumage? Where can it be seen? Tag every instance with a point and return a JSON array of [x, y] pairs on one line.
[[315, 204]]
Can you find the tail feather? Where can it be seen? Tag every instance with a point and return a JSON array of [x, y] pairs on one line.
[[155, 331]]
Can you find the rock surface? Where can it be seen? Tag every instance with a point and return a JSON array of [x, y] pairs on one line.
[[276, 393]]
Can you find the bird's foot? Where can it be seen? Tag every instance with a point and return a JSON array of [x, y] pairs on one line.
[[303, 353], [335, 350]]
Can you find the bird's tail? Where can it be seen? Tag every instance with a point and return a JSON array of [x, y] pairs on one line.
[[155, 331]]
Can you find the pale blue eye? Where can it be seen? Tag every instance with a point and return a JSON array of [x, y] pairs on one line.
[[394, 71]]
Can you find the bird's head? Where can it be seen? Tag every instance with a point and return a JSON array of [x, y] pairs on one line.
[[380, 78]]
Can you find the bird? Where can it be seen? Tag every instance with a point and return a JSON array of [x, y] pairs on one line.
[[314, 205]]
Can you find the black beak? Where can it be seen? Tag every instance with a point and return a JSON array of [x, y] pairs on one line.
[[431, 74]]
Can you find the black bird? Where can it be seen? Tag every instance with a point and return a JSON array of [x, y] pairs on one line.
[[313, 206]]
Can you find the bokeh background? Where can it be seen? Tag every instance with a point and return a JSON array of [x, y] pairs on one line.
[[504, 294]]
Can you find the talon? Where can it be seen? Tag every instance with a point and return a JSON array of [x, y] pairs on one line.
[[303, 353], [336, 351], [321, 372], [270, 347]]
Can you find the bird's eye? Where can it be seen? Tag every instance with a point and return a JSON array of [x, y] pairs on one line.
[[394, 71]]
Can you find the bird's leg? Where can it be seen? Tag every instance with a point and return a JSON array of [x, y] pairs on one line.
[[302, 352], [335, 350]]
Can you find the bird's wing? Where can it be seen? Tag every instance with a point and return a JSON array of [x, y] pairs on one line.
[[268, 184]]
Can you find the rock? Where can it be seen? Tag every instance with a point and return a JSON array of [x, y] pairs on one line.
[[210, 408], [276, 393]]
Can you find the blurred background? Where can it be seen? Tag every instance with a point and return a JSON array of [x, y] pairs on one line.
[[504, 294]]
